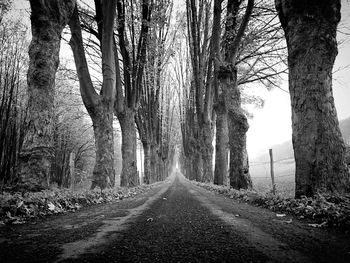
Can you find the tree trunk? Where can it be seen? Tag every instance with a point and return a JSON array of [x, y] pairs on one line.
[[48, 18], [147, 162], [207, 152], [198, 165], [239, 166], [103, 173], [221, 147], [155, 163], [310, 29], [129, 175], [237, 128]]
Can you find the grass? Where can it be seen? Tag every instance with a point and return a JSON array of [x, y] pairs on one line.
[[284, 177]]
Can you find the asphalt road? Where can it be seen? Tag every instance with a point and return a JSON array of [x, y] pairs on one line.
[[173, 222]]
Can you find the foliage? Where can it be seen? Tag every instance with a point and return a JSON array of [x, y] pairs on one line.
[[325, 209], [19, 207]]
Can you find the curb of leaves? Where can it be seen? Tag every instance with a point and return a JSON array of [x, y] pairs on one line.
[[17, 208], [327, 210]]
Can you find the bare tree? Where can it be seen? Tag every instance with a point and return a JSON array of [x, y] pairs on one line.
[[133, 56], [99, 106], [229, 97]]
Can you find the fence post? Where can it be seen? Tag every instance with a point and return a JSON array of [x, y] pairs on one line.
[[71, 169], [272, 172]]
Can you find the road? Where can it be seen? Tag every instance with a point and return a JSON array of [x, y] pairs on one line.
[[173, 222]]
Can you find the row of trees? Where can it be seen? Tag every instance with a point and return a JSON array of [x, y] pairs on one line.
[[223, 64], [133, 64], [127, 43], [251, 49]]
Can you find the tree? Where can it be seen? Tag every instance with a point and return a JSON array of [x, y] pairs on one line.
[[310, 29], [48, 18], [130, 46], [259, 59], [99, 106], [229, 97], [133, 56]]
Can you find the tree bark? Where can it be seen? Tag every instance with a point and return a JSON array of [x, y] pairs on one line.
[[239, 176], [48, 18], [147, 162], [207, 152], [310, 30], [129, 176], [103, 173], [221, 146], [155, 163]]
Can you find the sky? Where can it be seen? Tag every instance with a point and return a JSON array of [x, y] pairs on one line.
[[271, 125]]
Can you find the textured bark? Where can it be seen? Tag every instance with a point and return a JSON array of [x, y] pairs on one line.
[[156, 168], [48, 18], [129, 176], [197, 166], [207, 152], [239, 166], [103, 173], [310, 30], [239, 176], [147, 162], [221, 146]]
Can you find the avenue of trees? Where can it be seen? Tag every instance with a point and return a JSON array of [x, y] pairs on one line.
[[177, 79]]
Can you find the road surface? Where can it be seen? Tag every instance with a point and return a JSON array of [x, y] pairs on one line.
[[173, 222]]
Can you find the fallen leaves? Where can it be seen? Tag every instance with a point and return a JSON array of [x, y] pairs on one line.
[[17, 208], [324, 209]]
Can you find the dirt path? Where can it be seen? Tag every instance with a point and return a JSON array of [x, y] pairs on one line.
[[173, 222]]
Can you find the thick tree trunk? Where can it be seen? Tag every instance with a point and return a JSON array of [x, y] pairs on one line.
[[310, 30], [103, 173], [155, 163], [239, 176], [207, 152], [191, 175], [198, 165], [239, 166], [147, 162], [221, 147], [129, 176], [48, 18]]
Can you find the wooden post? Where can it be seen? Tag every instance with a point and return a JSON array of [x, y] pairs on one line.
[[71, 169], [272, 172]]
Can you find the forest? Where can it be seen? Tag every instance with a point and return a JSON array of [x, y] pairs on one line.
[[116, 95]]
